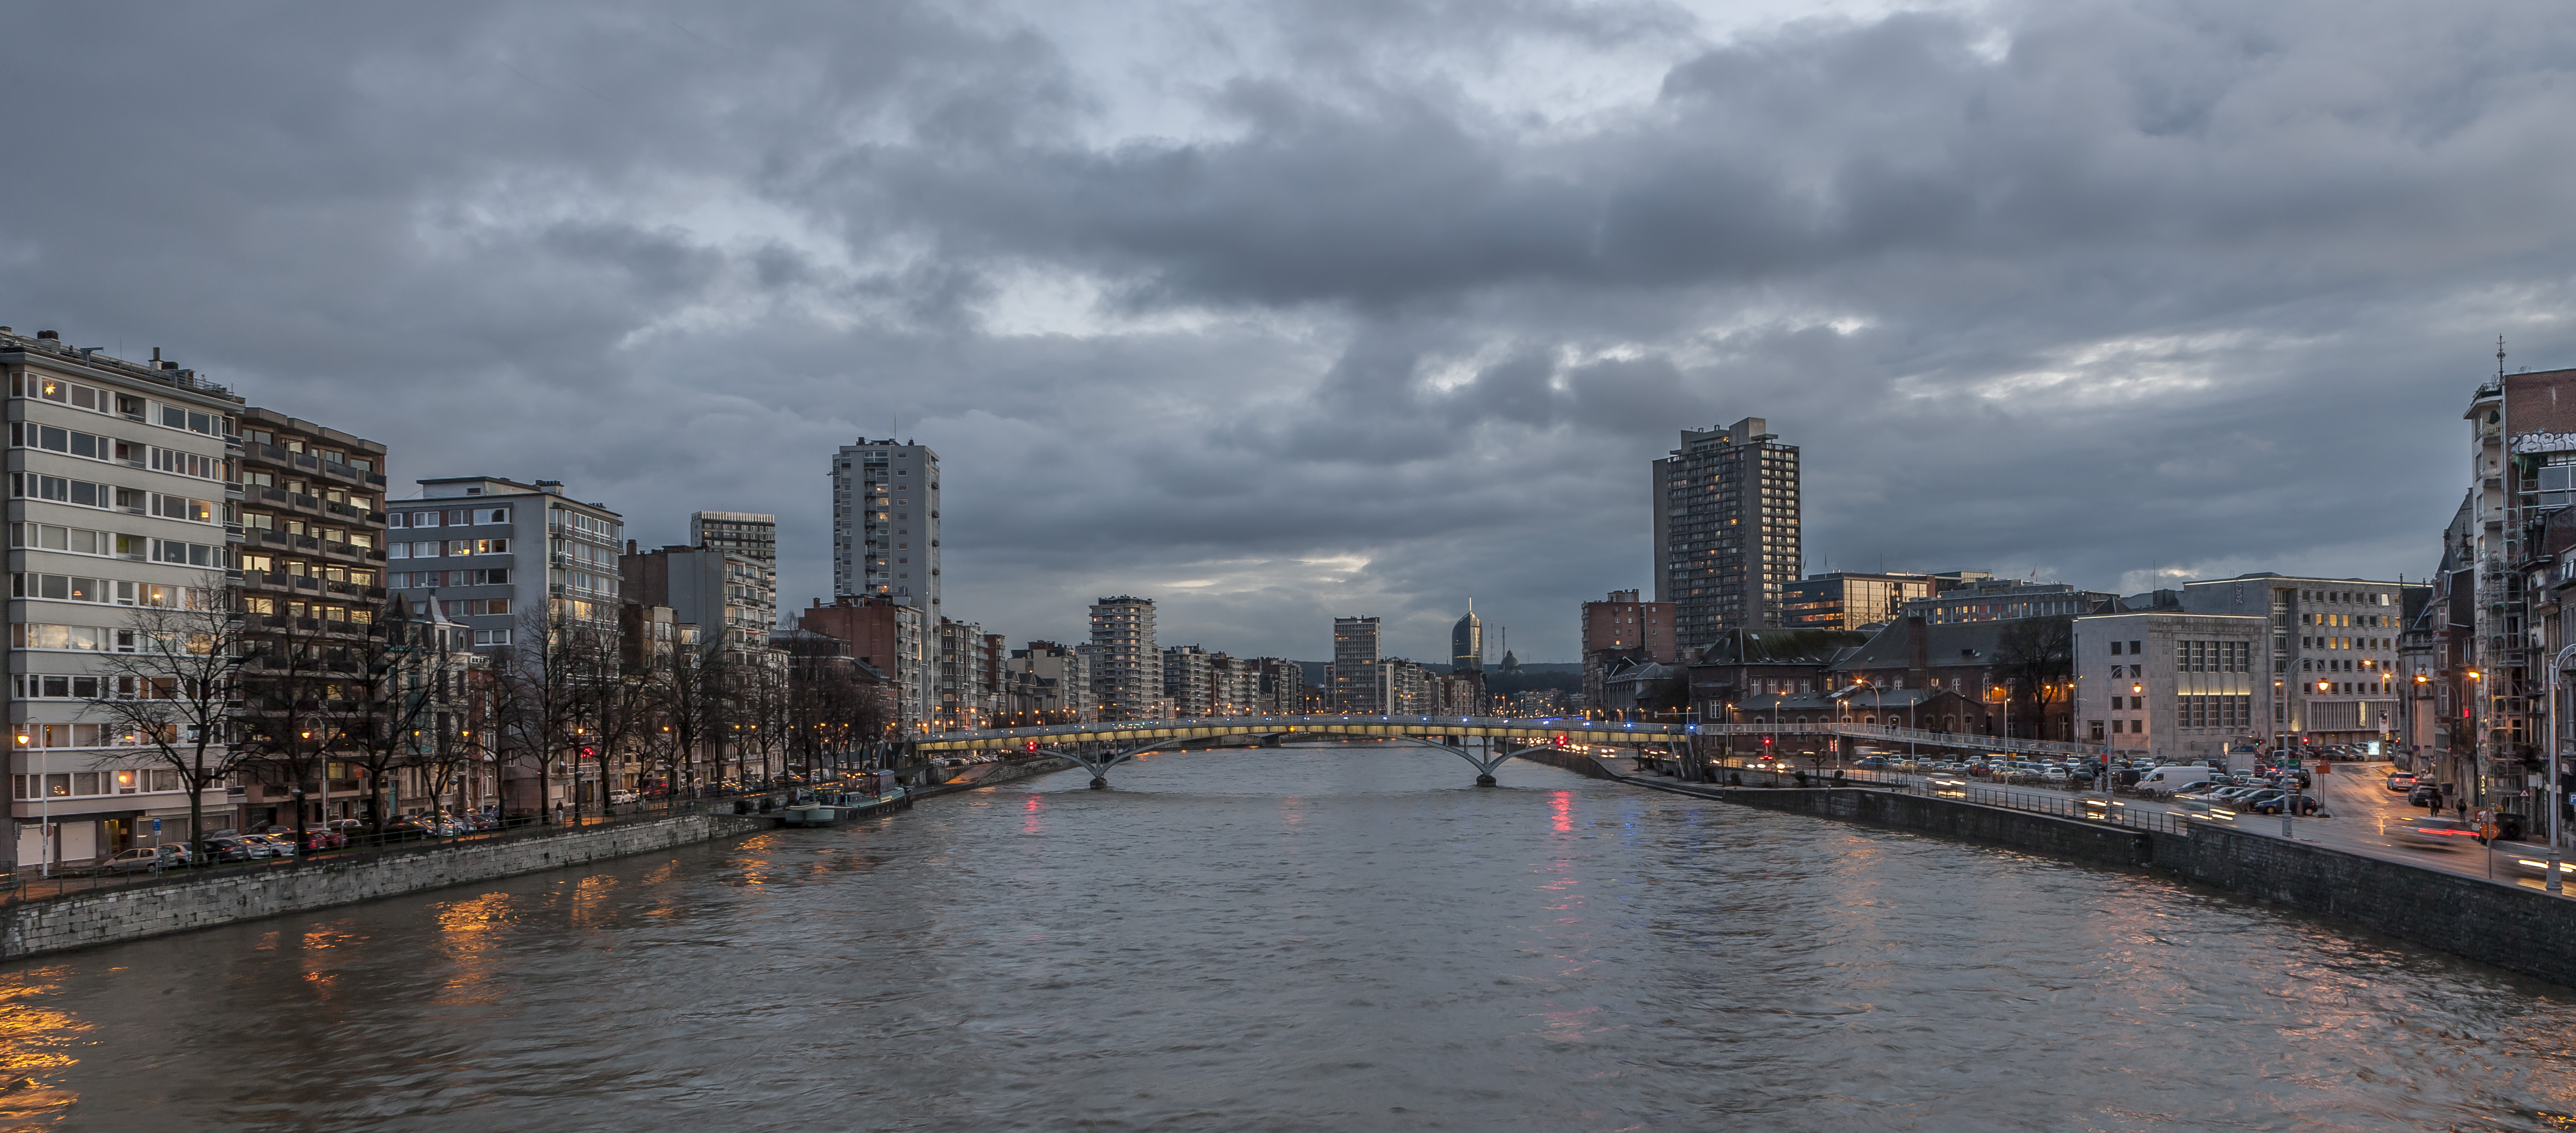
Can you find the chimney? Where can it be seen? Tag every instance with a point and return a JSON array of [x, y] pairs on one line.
[[1918, 652], [48, 336], [630, 546]]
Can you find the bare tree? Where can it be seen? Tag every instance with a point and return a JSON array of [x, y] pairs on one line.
[[171, 693], [692, 686], [399, 679], [2035, 658], [536, 695], [294, 699]]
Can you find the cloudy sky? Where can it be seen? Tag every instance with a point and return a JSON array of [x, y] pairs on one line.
[[1278, 311]]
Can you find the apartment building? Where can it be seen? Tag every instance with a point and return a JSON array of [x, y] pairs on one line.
[[1283, 686], [312, 562], [1126, 665], [1188, 680], [753, 535], [121, 497], [729, 596], [1726, 530], [962, 688], [500, 555], [1067, 672], [885, 535], [1358, 687], [885, 635]]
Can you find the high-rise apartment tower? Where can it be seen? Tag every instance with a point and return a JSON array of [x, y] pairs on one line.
[[1726, 530], [1355, 657], [885, 535], [1127, 669]]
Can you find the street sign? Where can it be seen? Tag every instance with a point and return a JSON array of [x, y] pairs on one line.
[[156, 828]]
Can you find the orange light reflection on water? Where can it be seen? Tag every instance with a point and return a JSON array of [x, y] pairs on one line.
[[470, 933]]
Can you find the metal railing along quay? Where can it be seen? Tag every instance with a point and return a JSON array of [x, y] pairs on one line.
[[2094, 808], [25, 886]]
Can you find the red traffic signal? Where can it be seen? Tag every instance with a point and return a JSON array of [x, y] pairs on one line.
[[1031, 746], [1560, 739], [1766, 741], [589, 752]]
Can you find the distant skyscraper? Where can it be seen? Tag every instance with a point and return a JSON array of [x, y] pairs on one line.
[[1726, 511], [885, 535], [1467, 643], [752, 535], [1127, 669], [1355, 656]]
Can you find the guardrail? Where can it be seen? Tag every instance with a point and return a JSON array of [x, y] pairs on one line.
[[2112, 810], [20, 887], [1904, 735]]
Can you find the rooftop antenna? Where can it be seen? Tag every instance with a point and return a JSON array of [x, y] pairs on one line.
[[2499, 359]]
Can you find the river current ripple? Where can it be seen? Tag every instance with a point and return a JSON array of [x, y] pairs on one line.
[[1341, 938]]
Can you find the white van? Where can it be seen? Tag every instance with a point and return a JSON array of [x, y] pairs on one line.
[[2174, 778]]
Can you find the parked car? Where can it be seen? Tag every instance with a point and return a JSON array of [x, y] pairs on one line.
[[135, 860], [239, 848], [2274, 802]]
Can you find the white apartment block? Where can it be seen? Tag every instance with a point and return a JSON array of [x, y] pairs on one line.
[[1126, 667], [122, 494], [494, 551], [2171, 686]]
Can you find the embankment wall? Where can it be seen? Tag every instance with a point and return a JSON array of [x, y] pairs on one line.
[[82, 920], [2514, 927]]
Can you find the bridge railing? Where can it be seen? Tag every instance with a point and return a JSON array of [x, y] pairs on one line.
[[1591, 730]]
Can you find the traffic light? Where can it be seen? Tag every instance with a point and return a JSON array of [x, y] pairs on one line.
[[1032, 745], [1766, 741], [589, 752], [1560, 739]]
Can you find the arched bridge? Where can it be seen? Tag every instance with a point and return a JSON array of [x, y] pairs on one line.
[[1484, 741]]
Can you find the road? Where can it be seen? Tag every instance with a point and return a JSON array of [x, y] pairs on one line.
[[2364, 817]]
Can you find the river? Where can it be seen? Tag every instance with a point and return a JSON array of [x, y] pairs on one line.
[[1340, 938]]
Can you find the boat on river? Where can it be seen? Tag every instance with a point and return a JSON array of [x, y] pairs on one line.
[[829, 807]]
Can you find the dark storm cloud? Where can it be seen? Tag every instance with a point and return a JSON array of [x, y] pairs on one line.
[[2077, 289]]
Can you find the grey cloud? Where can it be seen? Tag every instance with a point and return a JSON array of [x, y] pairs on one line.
[[2082, 289]]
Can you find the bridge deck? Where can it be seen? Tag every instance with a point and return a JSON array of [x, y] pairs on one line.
[[1543, 730]]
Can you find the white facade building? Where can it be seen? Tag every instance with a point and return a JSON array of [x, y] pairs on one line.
[[496, 551], [2171, 686], [120, 496]]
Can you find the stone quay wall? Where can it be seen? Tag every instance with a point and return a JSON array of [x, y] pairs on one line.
[[2510, 926], [82, 920]]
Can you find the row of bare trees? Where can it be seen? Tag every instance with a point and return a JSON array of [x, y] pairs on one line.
[[217, 689]]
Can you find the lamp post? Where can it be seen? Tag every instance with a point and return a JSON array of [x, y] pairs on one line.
[[2549, 790]]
